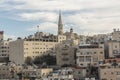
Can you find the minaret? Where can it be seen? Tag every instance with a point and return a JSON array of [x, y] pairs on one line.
[[60, 25]]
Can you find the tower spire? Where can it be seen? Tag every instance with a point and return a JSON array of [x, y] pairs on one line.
[[60, 25], [60, 18]]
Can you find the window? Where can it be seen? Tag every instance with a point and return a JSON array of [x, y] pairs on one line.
[[112, 73], [118, 73], [79, 72], [65, 59], [81, 53], [115, 46], [88, 58], [101, 52], [104, 79], [87, 52], [81, 58], [64, 54], [81, 64], [95, 59]]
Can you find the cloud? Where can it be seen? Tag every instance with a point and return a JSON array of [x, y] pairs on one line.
[[60, 4], [13, 37], [94, 16], [42, 16], [94, 22], [45, 27]]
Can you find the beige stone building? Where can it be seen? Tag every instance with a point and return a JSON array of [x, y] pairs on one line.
[[116, 34], [8, 71], [1, 35], [79, 73], [21, 49], [109, 70], [113, 48], [89, 54], [36, 73], [5, 72], [65, 53], [4, 48], [101, 38]]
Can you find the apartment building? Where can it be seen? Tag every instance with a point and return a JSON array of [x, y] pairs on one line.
[[113, 48], [21, 49], [89, 54], [116, 34], [65, 53], [110, 70], [4, 48]]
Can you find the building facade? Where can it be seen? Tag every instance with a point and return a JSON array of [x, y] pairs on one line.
[[4, 48], [116, 34], [21, 49], [110, 70], [113, 48], [89, 54], [65, 53]]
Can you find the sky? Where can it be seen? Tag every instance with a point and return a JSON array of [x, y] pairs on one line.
[[19, 18]]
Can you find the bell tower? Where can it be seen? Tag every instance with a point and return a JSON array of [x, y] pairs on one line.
[[60, 25]]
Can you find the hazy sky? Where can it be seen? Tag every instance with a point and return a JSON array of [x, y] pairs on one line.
[[20, 17]]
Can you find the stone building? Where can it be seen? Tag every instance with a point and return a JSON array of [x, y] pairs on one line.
[[89, 54], [4, 48], [110, 70], [113, 48], [65, 53], [116, 34], [21, 49]]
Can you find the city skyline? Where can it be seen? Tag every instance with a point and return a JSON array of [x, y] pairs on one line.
[[21, 17]]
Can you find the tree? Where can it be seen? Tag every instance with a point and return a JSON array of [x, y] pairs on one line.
[[48, 59], [28, 60]]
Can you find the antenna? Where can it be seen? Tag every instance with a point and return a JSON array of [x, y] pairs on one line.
[[37, 28]]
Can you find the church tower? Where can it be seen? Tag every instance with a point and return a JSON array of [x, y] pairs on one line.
[[60, 25], [71, 30]]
